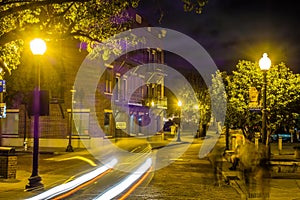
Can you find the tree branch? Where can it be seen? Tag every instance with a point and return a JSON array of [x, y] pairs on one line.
[[82, 34], [34, 4]]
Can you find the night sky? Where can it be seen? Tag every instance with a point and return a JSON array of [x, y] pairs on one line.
[[232, 30]]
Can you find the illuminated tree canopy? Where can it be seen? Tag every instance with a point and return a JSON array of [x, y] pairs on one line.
[[90, 21], [283, 95]]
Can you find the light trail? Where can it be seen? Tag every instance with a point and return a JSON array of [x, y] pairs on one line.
[[69, 193], [60, 189], [126, 183], [135, 185]]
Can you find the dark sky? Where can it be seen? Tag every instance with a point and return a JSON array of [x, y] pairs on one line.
[[231, 30]]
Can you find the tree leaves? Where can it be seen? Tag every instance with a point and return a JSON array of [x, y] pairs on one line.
[[89, 21], [283, 93]]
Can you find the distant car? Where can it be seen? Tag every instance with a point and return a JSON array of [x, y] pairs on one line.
[[286, 137]]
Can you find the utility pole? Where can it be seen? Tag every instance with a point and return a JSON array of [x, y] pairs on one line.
[[69, 147]]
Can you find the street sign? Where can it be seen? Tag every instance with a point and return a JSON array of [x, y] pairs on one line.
[[2, 86], [2, 110], [121, 125], [254, 104]]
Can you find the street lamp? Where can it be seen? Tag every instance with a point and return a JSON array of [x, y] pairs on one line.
[[69, 147], [179, 104], [152, 103], [38, 48], [264, 64]]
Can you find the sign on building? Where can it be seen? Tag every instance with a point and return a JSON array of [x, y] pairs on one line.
[[121, 125]]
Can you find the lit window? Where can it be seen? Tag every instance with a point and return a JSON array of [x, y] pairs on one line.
[[108, 81]]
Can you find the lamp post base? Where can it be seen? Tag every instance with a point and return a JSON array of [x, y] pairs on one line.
[[34, 183], [178, 138], [69, 148]]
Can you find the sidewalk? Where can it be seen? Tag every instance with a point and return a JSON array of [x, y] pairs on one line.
[[284, 180], [187, 177]]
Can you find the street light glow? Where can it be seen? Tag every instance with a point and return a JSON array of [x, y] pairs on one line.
[[152, 103], [265, 62], [179, 103], [38, 46]]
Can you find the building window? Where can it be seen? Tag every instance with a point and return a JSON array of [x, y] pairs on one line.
[[124, 88], [154, 56], [117, 88], [158, 90], [108, 81], [107, 119]]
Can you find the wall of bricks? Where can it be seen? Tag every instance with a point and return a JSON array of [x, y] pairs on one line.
[[8, 166]]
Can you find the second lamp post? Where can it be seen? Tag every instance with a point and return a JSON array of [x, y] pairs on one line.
[[179, 124], [264, 64]]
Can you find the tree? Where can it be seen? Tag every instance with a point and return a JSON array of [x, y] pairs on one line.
[[194, 5], [204, 110], [283, 96], [57, 22], [218, 97], [89, 21]]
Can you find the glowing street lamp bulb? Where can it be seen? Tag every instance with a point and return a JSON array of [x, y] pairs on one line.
[[152, 103], [38, 46], [265, 62], [179, 103]]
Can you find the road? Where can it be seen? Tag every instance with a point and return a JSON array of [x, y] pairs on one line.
[[176, 173]]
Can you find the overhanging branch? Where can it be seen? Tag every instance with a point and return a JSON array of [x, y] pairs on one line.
[[34, 4]]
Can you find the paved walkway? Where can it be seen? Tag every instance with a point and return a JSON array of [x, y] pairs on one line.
[[283, 181], [188, 177]]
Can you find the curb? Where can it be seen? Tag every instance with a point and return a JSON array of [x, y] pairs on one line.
[[237, 187], [233, 180]]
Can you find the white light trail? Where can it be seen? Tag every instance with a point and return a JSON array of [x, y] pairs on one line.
[[73, 184], [126, 183]]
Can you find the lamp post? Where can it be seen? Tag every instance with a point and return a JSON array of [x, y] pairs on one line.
[[179, 104], [69, 147], [38, 48], [3, 69], [264, 64]]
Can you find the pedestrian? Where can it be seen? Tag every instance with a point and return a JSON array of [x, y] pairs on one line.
[[216, 159], [235, 158]]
